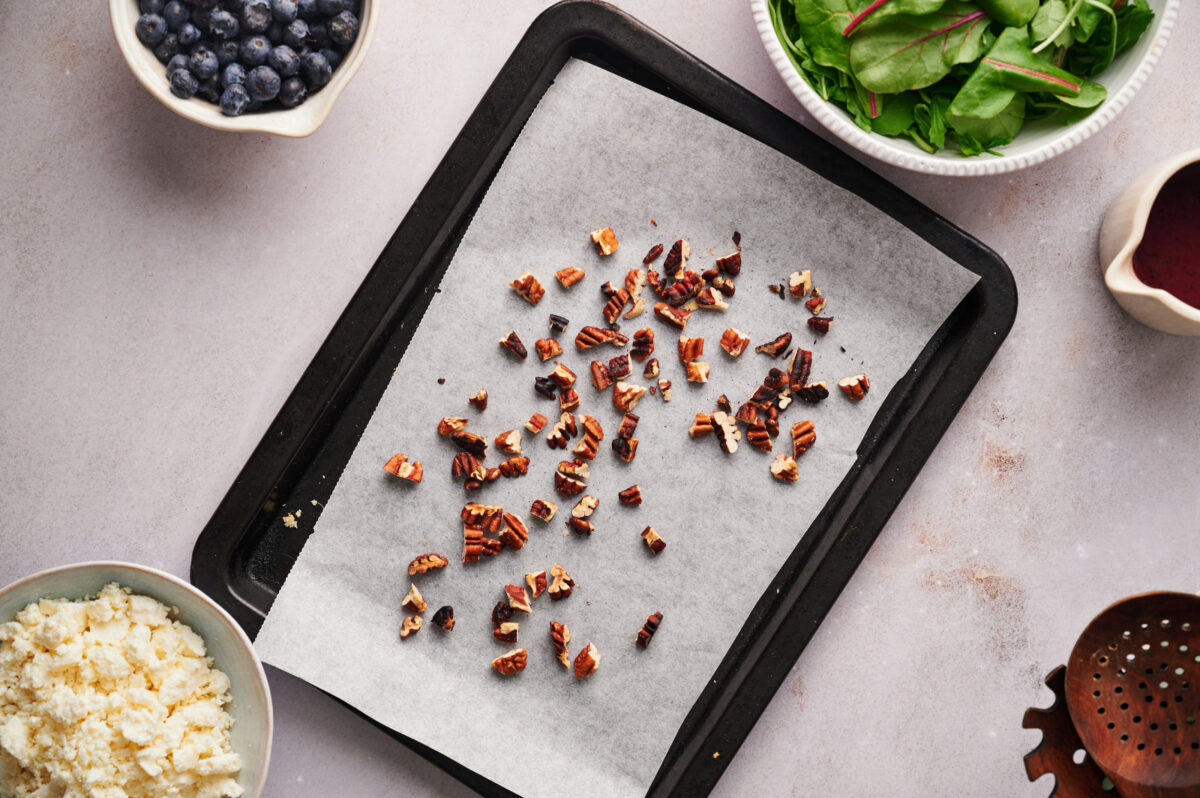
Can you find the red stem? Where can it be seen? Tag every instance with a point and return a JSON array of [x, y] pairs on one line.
[[868, 11], [1031, 72]]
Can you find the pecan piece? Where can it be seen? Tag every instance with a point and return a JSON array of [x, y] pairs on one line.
[[654, 252], [821, 324], [664, 388], [569, 276], [537, 583], [558, 323], [470, 442], [855, 387], [619, 367], [648, 629], [776, 289], [600, 378], [605, 241], [547, 348], [487, 517], [799, 369], [628, 426], [587, 448], [631, 495], [400, 466], [560, 636], [413, 602], [774, 348], [594, 336], [561, 583], [562, 376], [625, 448], [651, 370], [683, 289], [586, 662], [731, 264], [592, 428], [727, 431], [627, 395], [758, 437], [697, 371], [506, 632], [636, 309], [724, 285], [444, 618], [803, 437], [690, 348], [479, 399], [568, 486], [536, 423], [656, 543], [608, 289], [574, 468], [426, 563], [784, 469], [585, 507], [512, 342], [563, 431], [514, 534], [747, 414], [546, 387], [816, 392], [676, 259], [676, 317], [707, 299], [518, 599], [543, 510], [635, 281], [615, 305], [800, 283], [513, 467], [568, 399], [501, 612], [701, 426], [450, 425], [581, 526], [772, 421], [816, 304], [528, 288], [643, 344], [734, 342], [509, 442], [410, 626], [764, 396], [511, 662]]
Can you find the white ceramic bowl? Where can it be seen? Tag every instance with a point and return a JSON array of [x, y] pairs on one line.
[[1034, 144], [229, 647], [303, 120]]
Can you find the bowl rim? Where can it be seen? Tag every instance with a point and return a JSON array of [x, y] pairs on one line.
[[221, 613], [298, 122], [834, 119]]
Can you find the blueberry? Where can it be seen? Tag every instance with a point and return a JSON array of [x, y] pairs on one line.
[[183, 84], [283, 59], [262, 83], [234, 73], [235, 100], [316, 70], [284, 10], [343, 28], [210, 90], [332, 56], [255, 50], [330, 7], [151, 6], [292, 93], [151, 29], [318, 34], [296, 33], [274, 33], [175, 13], [167, 48], [178, 61], [223, 25], [256, 16], [203, 63], [202, 16], [188, 34], [228, 51], [306, 9]]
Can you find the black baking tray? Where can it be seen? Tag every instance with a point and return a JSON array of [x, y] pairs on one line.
[[244, 553]]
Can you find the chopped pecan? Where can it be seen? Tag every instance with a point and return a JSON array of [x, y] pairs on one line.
[[444, 617], [619, 367], [628, 426], [573, 468], [615, 305], [690, 348], [816, 392], [776, 380], [799, 369], [569, 276], [697, 371], [560, 636], [581, 526], [731, 264], [635, 281], [472, 543], [625, 448], [774, 348], [821, 324], [515, 466], [676, 317], [758, 437], [651, 370], [656, 282], [485, 516], [558, 323], [586, 662], [636, 309], [400, 466], [466, 464], [587, 448], [648, 629], [816, 304], [724, 285], [518, 599], [514, 534], [772, 421], [800, 283], [450, 425], [426, 563], [727, 431], [537, 583], [511, 662], [568, 486], [562, 431], [470, 442], [803, 437], [528, 288], [676, 259], [654, 252], [512, 342], [664, 388], [490, 546], [536, 423], [501, 612], [479, 399], [547, 348], [543, 510], [410, 626], [594, 336], [509, 442], [763, 396], [626, 396], [413, 602], [568, 399], [701, 426], [656, 543], [631, 495], [776, 289], [546, 387], [707, 299], [600, 378], [643, 344], [593, 428], [784, 469], [855, 387], [723, 404], [734, 342], [608, 289], [683, 289], [585, 507], [605, 241], [747, 413], [560, 583], [506, 632], [785, 399]]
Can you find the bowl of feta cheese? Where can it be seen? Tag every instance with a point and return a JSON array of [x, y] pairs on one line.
[[121, 680]]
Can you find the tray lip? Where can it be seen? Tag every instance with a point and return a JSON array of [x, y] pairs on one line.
[[216, 567]]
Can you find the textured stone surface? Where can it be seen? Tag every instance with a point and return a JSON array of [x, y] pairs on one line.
[[162, 286]]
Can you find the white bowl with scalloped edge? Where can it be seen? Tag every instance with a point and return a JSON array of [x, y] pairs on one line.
[[1033, 145], [298, 122]]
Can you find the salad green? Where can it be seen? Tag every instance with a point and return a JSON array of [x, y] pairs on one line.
[[955, 73]]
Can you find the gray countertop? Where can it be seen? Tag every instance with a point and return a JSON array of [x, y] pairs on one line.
[[162, 287]]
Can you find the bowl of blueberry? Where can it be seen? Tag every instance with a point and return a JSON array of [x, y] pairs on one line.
[[272, 66]]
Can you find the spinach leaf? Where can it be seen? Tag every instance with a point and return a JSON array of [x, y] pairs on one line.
[[1049, 21], [879, 9], [1010, 12], [930, 118], [1132, 20], [1097, 52], [1091, 14], [1010, 66], [981, 135], [894, 113], [905, 52], [823, 22]]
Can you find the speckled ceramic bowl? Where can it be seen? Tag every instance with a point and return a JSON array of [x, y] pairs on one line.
[[229, 647], [1033, 145], [303, 120]]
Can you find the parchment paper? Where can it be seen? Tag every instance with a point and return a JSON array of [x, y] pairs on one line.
[[600, 151]]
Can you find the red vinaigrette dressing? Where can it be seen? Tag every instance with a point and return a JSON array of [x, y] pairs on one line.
[[1169, 255]]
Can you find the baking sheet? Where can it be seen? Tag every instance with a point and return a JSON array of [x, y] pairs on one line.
[[600, 151]]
